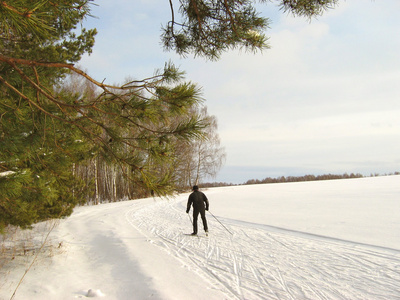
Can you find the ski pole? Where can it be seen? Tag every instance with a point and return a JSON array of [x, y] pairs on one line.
[[190, 219], [220, 222]]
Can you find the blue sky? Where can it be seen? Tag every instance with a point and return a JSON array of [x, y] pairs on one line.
[[324, 99]]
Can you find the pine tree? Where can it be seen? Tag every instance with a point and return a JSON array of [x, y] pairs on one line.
[[37, 147]]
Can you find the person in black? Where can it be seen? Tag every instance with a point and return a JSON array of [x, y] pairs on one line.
[[200, 205]]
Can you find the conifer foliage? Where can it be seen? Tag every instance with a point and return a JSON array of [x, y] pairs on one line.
[[38, 140], [210, 27]]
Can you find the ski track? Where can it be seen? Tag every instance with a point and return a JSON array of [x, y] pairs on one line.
[[258, 263]]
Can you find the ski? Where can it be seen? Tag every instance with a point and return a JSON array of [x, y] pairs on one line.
[[196, 235]]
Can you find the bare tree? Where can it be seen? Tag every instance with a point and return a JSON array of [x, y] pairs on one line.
[[202, 157]]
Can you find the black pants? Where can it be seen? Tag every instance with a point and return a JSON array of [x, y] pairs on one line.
[[203, 218]]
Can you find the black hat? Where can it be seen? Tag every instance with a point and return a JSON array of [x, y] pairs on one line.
[[195, 188]]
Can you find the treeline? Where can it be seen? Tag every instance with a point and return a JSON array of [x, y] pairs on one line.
[[312, 178], [216, 184], [283, 179]]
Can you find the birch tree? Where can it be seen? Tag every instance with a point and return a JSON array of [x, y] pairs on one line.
[[200, 158]]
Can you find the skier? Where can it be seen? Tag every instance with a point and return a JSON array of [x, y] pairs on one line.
[[200, 205]]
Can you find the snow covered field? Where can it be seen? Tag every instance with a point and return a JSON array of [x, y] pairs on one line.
[[335, 239]]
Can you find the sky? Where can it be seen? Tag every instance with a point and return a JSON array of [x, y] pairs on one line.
[[325, 98]]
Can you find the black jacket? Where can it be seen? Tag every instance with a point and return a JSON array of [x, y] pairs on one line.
[[199, 201]]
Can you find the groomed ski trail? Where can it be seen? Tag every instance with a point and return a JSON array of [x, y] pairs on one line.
[[260, 262]]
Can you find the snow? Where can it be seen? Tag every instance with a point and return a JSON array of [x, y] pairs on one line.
[[6, 173], [337, 239]]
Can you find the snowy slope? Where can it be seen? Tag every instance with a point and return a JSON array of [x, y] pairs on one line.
[[315, 240]]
